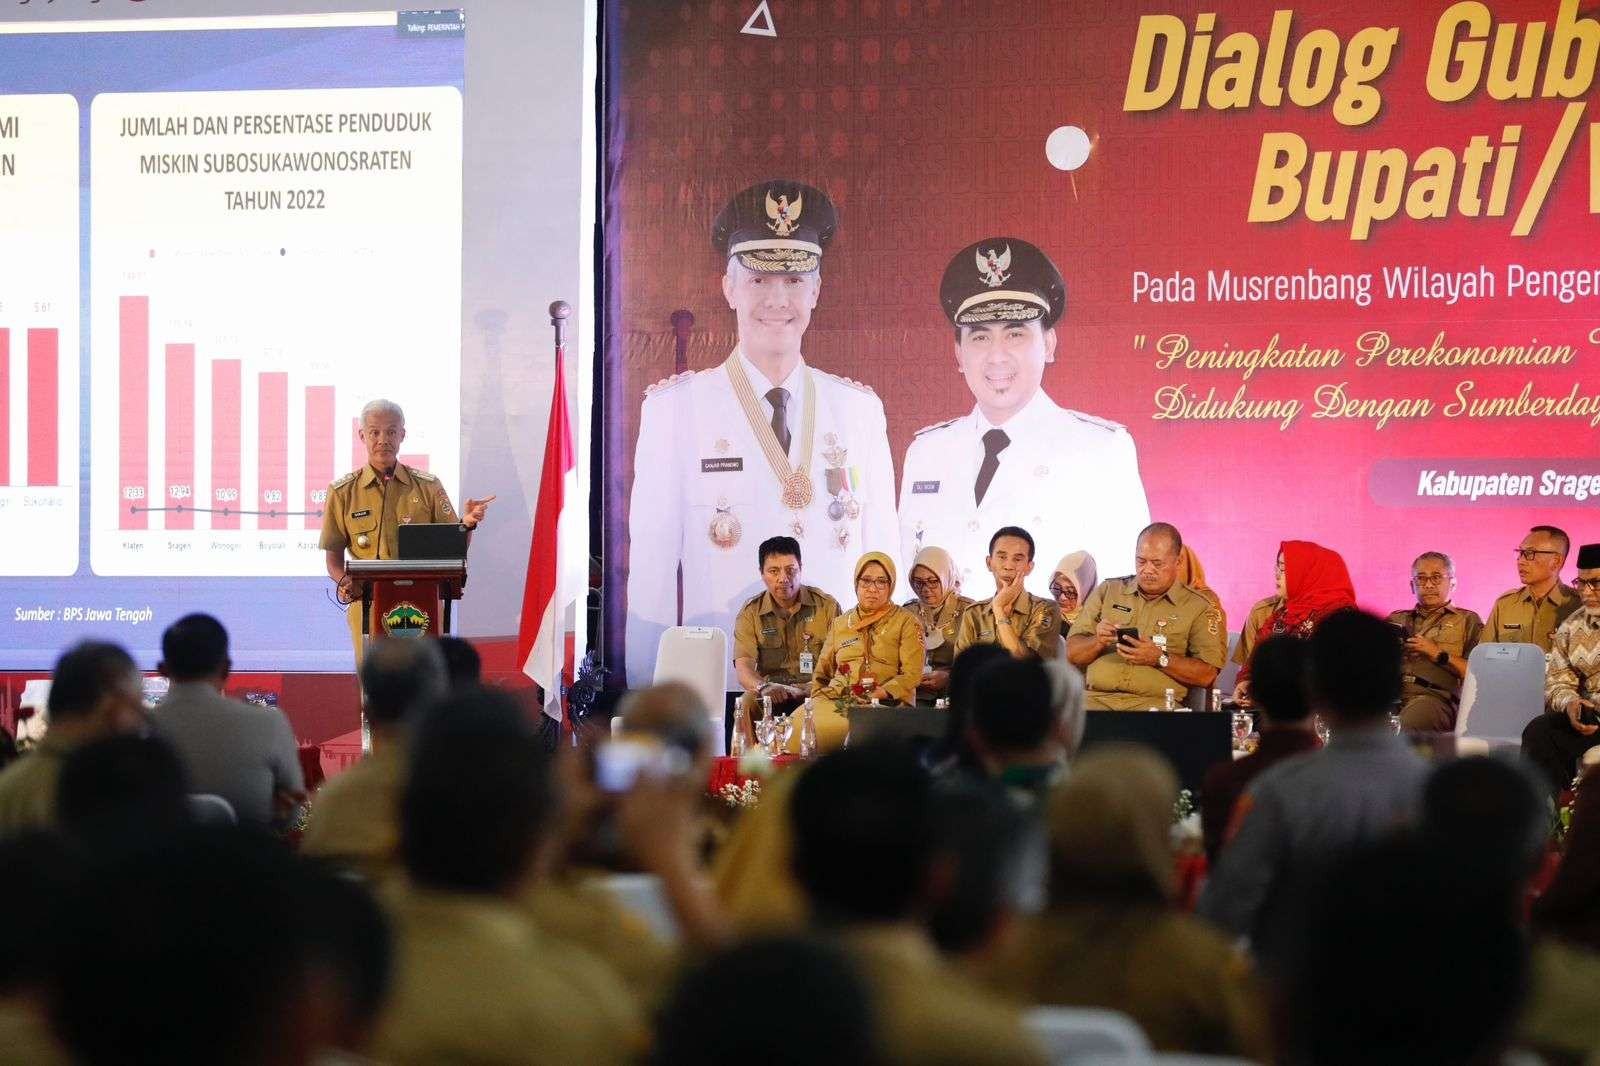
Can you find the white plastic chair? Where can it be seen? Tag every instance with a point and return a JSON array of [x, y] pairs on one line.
[[1229, 675], [1502, 693], [1070, 1035], [1162, 1058], [698, 657]]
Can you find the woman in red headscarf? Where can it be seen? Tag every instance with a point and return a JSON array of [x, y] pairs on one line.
[[1313, 582]]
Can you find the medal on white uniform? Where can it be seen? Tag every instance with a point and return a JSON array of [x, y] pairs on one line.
[[725, 527], [794, 482]]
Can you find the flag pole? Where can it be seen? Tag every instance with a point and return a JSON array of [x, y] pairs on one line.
[[560, 311]]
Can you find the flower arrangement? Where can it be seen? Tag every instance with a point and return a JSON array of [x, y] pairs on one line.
[[1185, 833], [857, 691], [1183, 806], [747, 794]]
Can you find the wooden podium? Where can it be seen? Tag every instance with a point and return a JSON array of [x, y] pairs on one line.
[[407, 598]]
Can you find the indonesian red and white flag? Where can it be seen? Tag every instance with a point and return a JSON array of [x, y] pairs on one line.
[[557, 564]]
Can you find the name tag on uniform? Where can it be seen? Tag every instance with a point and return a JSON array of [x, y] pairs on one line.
[[360, 514], [920, 488], [768, 631], [808, 663], [718, 466], [1510, 625], [847, 643], [1124, 608]]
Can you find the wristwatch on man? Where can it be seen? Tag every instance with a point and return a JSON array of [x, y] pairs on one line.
[[1162, 662]]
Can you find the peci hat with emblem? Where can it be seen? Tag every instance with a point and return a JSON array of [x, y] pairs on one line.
[[776, 227], [1002, 279], [1589, 557]]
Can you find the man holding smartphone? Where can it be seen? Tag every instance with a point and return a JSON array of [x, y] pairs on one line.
[[1141, 635], [1438, 637], [1557, 739]]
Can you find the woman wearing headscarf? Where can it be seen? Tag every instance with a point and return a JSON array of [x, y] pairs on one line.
[[938, 606], [1111, 935], [1313, 583], [873, 651], [1192, 574], [1074, 579]]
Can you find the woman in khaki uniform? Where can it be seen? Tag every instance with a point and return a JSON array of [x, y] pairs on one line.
[[938, 607], [1111, 936], [875, 641]]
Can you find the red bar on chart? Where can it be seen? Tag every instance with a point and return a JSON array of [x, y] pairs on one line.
[[418, 461], [320, 423], [5, 407], [44, 407], [225, 421], [179, 497], [358, 456], [272, 450], [133, 422]]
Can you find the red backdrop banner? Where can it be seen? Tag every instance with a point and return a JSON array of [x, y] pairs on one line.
[[1335, 267]]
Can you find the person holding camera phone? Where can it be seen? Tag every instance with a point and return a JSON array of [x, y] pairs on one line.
[[1557, 739], [1139, 636]]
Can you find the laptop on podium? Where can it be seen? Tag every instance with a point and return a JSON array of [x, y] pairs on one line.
[[432, 540]]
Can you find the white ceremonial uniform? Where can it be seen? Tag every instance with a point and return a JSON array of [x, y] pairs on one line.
[[1070, 479], [698, 455]]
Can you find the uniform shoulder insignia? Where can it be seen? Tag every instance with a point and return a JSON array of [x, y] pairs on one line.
[[668, 382], [858, 386], [1094, 420], [342, 482], [422, 475], [937, 425], [1509, 594]]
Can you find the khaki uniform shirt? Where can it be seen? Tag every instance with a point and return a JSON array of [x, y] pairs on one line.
[[1180, 618], [363, 517], [889, 650], [355, 817], [762, 633], [1036, 620], [929, 1013], [572, 908], [940, 629], [1517, 619], [28, 788], [1259, 614], [476, 981], [1453, 629]]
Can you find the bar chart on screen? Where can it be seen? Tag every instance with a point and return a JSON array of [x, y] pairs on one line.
[[234, 343], [39, 457]]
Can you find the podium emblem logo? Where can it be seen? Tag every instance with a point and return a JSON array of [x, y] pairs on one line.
[[406, 619]]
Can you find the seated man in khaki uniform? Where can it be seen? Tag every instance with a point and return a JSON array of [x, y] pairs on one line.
[[1439, 636], [1530, 613], [778, 634], [1175, 643], [1014, 618]]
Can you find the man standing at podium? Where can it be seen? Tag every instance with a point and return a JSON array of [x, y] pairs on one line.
[[366, 507]]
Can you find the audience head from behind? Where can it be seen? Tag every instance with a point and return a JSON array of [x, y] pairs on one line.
[[1355, 668], [400, 675], [462, 663], [96, 690], [865, 837], [1279, 681], [1490, 817], [1371, 982], [1109, 825], [479, 803], [195, 648], [964, 671], [719, 1013], [670, 713], [349, 955], [1567, 909], [42, 869], [1026, 719], [988, 857], [120, 790], [207, 923]]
